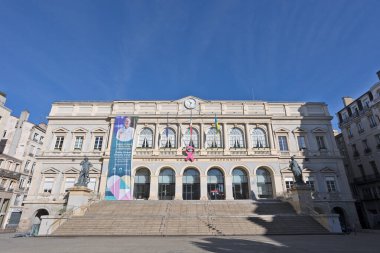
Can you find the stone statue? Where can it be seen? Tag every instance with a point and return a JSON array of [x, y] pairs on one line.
[[297, 171], [84, 178]]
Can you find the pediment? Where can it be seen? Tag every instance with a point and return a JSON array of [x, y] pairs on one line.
[[308, 170], [94, 170], [319, 130], [50, 171], [99, 130], [286, 170], [60, 130], [327, 170], [79, 130], [282, 130], [72, 171], [299, 130]]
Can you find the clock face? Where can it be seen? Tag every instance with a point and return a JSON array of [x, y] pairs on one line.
[[190, 103]]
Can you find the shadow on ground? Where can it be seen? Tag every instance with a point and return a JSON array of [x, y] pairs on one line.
[[224, 245]]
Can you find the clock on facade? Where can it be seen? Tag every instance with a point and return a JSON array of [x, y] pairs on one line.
[[190, 103]]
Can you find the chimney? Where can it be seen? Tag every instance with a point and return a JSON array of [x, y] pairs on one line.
[[378, 74], [347, 100], [3, 98]]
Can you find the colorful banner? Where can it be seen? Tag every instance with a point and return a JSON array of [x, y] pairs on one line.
[[119, 170]]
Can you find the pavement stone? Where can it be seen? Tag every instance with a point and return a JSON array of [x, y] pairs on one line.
[[361, 242]]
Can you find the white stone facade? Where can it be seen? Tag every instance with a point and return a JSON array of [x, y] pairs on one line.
[[359, 122], [21, 142], [284, 129]]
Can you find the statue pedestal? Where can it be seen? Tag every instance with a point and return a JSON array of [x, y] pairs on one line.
[[78, 199], [300, 198]]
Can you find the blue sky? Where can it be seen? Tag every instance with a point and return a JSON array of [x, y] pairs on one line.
[[108, 50]]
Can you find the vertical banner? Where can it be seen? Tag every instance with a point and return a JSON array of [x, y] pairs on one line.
[[119, 170]]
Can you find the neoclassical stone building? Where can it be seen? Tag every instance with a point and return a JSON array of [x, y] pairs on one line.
[[242, 151]]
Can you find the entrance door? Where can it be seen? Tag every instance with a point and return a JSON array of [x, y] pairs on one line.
[[264, 184], [240, 188], [191, 185], [166, 191], [166, 184], [142, 184], [215, 184]]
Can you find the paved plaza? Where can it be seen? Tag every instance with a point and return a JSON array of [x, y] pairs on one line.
[[362, 242]]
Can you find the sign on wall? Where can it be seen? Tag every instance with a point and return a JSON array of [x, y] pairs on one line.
[[119, 170]]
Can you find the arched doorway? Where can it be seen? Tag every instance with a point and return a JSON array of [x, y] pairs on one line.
[[166, 184], [342, 218], [264, 183], [191, 185], [142, 184], [240, 184], [37, 221], [215, 184]]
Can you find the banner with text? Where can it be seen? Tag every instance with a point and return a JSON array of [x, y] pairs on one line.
[[119, 170]]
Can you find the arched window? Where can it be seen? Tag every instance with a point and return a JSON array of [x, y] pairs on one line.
[[213, 138], [236, 138], [191, 184], [215, 184], [166, 184], [191, 138], [145, 138], [259, 139], [168, 139], [240, 184], [264, 183], [142, 184]]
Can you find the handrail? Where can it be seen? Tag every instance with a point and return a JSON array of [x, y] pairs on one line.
[[69, 213]]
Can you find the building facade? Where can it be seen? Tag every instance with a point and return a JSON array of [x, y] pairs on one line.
[[359, 122], [20, 143], [242, 151]]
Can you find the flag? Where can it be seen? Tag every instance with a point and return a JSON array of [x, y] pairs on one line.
[[217, 124]]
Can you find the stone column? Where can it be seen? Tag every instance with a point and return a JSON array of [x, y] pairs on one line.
[[228, 186], [271, 137], [156, 136], [178, 187], [103, 178], [203, 181], [153, 194], [179, 134], [225, 140]]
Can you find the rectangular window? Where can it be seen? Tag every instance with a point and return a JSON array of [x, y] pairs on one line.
[[78, 142], [21, 184], [3, 182], [59, 143], [69, 182], [366, 103], [349, 132], [98, 143], [26, 168], [374, 167], [360, 128], [361, 169], [365, 146], [48, 184], [372, 121], [321, 142], [330, 183], [92, 184], [289, 183], [301, 142], [310, 182], [283, 143]]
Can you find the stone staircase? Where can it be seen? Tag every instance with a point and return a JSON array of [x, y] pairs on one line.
[[165, 218]]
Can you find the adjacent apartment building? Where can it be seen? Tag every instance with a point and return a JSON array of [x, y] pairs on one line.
[[359, 142], [242, 151], [20, 143]]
